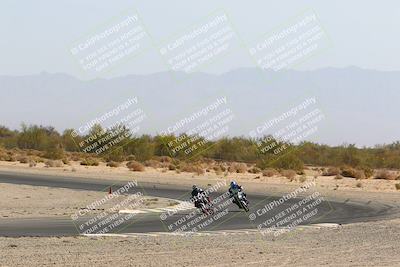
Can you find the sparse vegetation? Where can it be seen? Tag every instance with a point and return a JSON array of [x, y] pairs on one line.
[[135, 166], [254, 170], [113, 164], [331, 171], [384, 174], [397, 186], [303, 178], [269, 172], [53, 164], [41, 143], [338, 177], [236, 167], [290, 174], [193, 169], [90, 162]]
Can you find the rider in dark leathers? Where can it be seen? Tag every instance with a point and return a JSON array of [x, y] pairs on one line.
[[196, 195]]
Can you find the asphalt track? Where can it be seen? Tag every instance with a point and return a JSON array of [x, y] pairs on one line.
[[327, 211]]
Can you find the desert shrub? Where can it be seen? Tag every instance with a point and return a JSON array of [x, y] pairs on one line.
[[397, 186], [90, 162], [347, 171], [135, 166], [130, 157], [117, 155], [255, 170], [359, 184], [152, 163], [54, 151], [23, 159], [224, 167], [331, 171], [171, 167], [288, 162], [367, 171], [165, 159], [78, 156], [237, 168], [290, 174], [338, 177], [218, 170], [360, 174], [65, 160], [113, 164], [269, 172], [53, 163], [32, 163], [303, 178], [192, 168], [10, 157], [384, 174]]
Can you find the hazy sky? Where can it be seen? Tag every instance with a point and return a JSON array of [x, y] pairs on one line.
[[37, 35]]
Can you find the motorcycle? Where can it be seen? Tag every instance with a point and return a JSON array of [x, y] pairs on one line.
[[241, 200], [205, 205]]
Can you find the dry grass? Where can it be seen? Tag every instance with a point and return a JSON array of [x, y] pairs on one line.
[[165, 159], [90, 162], [347, 171], [360, 175], [54, 164], [23, 159], [331, 171], [270, 172], [290, 174], [193, 169], [32, 163], [113, 164], [135, 166], [236, 167], [152, 163], [172, 167], [385, 175], [254, 170], [218, 170], [303, 178], [338, 177]]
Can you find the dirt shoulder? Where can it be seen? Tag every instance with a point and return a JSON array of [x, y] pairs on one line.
[[365, 190], [23, 201], [361, 244]]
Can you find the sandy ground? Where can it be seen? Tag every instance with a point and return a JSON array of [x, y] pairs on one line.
[[362, 244], [163, 176], [22, 201]]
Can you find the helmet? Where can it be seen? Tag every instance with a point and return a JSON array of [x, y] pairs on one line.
[[194, 187], [233, 184]]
